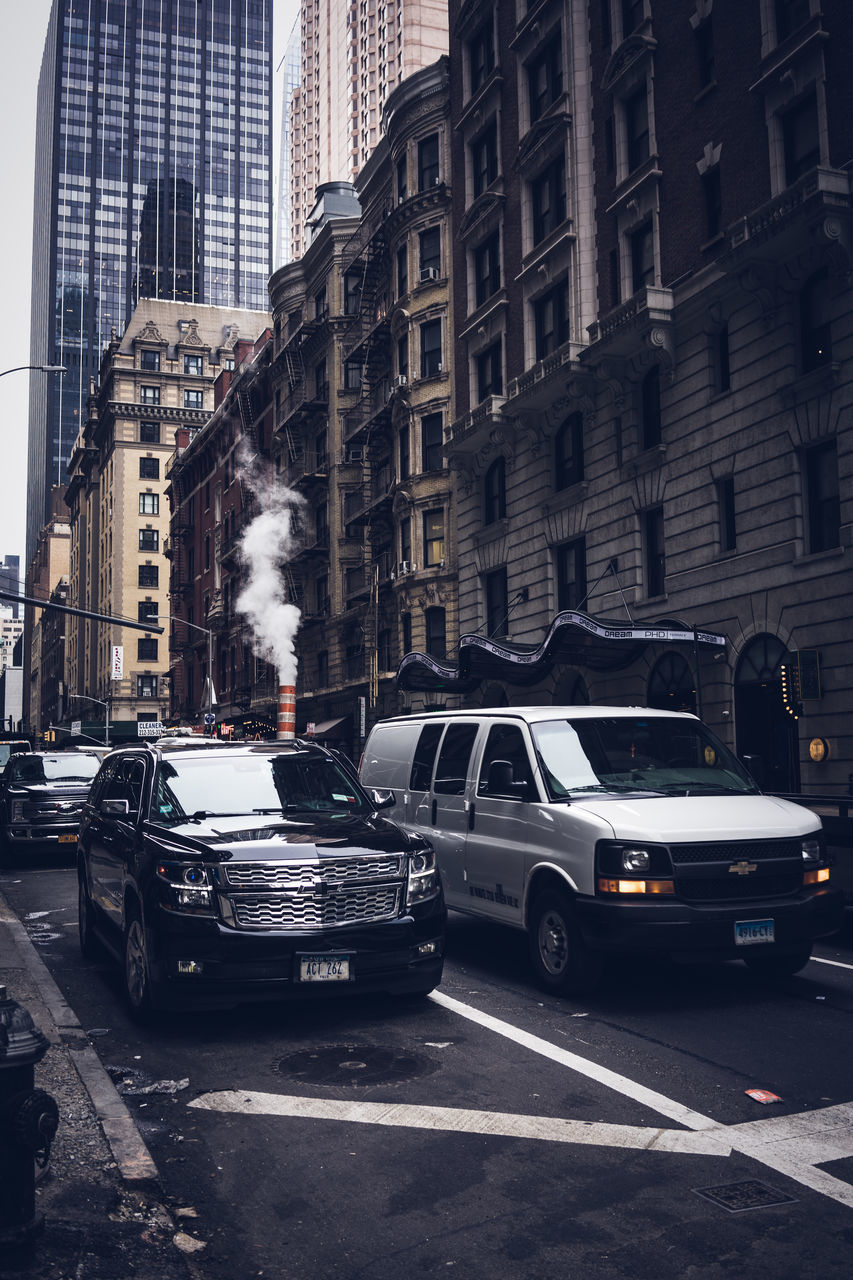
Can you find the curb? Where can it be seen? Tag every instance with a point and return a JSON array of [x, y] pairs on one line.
[[133, 1159]]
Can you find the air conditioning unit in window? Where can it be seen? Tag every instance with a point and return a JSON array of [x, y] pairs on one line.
[[404, 566], [429, 273], [354, 454], [401, 380]]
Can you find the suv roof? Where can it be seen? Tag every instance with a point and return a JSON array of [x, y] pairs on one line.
[[534, 715], [185, 746]]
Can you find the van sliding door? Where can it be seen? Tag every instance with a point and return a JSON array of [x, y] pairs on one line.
[[442, 814]]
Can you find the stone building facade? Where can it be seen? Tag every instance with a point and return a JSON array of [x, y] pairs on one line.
[[653, 415]]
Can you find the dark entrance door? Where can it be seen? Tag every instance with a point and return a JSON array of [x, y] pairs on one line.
[[766, 734]]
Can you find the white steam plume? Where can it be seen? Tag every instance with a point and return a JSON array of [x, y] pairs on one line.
[[269, 541]]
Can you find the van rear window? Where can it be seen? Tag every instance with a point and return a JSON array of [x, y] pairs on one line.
[[424, 757]]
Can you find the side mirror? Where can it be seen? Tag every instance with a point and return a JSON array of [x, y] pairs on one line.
[[382, 798], [500, 782], [117, 809]]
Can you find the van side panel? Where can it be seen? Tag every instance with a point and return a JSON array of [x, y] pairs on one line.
[[388, 757]]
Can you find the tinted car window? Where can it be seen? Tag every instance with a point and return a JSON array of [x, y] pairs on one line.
[[32, 769], [424, 757], [452, 767], [257, 783], [506, 742]]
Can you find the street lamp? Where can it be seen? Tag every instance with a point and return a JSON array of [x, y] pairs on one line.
[[84, 697], [211, 692], [40, 368]]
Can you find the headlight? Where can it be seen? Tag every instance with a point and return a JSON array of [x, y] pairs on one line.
[[187, 886], [812, 847], [636, 860], [624, 858], [423, 875]]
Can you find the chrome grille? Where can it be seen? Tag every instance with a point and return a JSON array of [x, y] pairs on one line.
[[311, 910], [63, 809], [295, 874]]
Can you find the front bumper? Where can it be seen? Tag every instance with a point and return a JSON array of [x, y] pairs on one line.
[[679, 928], [37, 832], [240, 966]]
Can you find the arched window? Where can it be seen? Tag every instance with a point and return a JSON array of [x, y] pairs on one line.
[[494, 492], [671, 685], [436, 633], [568, 452], [815, 329], [761, 661]]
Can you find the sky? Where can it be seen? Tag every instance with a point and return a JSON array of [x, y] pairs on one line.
[[24, 30]]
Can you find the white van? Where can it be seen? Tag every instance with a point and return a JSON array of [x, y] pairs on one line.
[[607, 829]]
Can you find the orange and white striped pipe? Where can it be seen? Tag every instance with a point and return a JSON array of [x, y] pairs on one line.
[[286, 719]]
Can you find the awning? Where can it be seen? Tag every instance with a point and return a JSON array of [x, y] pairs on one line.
[[573, 637], [325, 728]]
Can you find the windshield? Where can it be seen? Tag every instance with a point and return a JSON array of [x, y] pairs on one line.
[[220, 786], [644, 754], [28, 769]]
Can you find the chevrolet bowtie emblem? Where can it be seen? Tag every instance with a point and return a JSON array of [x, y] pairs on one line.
[[742, 868]]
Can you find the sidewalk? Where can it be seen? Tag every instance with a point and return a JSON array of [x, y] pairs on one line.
[[104, 1212]]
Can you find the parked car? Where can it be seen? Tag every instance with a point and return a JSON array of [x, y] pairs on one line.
[[607, 829], [252, 872], [41, 799], [11, 747]]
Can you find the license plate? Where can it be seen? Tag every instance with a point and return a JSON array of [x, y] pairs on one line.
[[67, 839], [324, 969], [750, 932]]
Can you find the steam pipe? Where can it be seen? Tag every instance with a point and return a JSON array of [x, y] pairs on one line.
[[286, 719]]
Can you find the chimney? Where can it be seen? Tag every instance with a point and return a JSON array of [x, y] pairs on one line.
[[286, 724]]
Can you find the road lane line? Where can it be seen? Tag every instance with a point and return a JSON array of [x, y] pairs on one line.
[[603, 1075], [839, 964], [461, 1120]]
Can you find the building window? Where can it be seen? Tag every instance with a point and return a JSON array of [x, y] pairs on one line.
[[481, 55], [430, 348], [149, 395], [383, 649], [801, 138], [642, 257], [193, 365], [148, 611], [406, 624], [494, 492], [321, 593], [323, 668], [352, 375], [654, 551], [193, 399], [352, 294], [428, 162], [404, 447], [487, 269], [568, 452], [436, 633], [149, 468], [548, 197], [571, 574], [146, 649], [321, 305], [484, 159], [726, 511], [149, 504], [790, 16], [712, 194], [650, 418], [150, 361], [815, 328], [723, 360], [433, 538], [401, 180], [489, 372], [403, 356], [822, 497], [637, 129], [149, 540], [545, 76], [146, 686], [149, 575], [149, 433], [321, 525], [497, 602], [430, 250], [551, 319], [431, 442], [402, 270], [321, 382], [405, 544], [354, 661], [705, 54], [633, 14]]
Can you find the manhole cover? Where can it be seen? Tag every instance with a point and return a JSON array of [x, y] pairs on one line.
[[355, 1064], [737, 1197]]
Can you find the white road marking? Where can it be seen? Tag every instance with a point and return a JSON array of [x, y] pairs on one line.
[[839, 964], [458, 1120]]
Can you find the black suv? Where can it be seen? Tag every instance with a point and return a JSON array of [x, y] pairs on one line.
[[41, 799], [251, 872]]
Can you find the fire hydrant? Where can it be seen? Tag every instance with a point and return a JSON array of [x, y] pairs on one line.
[[29, 1118]]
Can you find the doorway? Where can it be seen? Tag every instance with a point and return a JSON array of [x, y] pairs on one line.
[[767, 739]]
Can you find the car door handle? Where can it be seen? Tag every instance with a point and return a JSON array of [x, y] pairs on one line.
[[472, 808], [434, 811]]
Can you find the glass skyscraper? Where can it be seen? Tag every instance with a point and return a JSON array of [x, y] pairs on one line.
[[153, 179]]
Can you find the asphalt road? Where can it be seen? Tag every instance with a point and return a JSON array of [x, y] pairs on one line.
[[492, 1130]]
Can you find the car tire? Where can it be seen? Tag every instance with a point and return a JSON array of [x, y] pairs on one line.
[[783, 963], [139, 993], [562, 962], [90, 947]]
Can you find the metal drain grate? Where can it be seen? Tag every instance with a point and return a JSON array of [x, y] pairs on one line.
[[737, 1197], [355, 1065]]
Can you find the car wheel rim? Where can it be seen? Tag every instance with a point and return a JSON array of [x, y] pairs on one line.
[[135, 964], [553, 943]]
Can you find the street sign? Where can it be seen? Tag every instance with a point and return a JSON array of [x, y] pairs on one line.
[[117, 672], [77, 726], [209, 718]]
